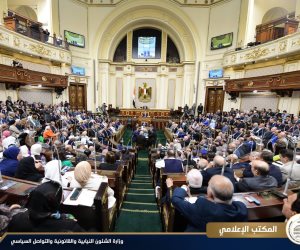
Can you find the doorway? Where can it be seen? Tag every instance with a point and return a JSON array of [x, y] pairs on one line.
[[77, 96], [214, 99]]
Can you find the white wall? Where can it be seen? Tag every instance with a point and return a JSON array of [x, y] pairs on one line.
[[223, 19], [44, 12], [74, 17]]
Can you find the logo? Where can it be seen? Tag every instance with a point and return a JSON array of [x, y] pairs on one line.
[[293, 229]]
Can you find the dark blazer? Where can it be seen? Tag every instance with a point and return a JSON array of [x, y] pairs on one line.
[[204, 211], [256, 183], [173, 166], [210, 172], [274, 171]]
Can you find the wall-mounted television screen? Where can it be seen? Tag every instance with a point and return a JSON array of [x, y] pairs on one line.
[[74, 39], [220, 42], [215, 73], [146, 44], [146, 47], [78, 70]]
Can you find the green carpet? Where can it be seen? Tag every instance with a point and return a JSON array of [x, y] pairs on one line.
[[139, 212], [127, 137], [161, 137]]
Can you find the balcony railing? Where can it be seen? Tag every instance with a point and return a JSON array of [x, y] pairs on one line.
[[278, 48], [32, 29]]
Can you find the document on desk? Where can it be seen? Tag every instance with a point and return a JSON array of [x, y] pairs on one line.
[[86, 198]]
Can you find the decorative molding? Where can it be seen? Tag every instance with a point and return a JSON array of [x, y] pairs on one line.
[[145, 69], [19, 76], [13, 41], [40, 49], [179, 2], [257, 53], [281, 47], [279, 82]]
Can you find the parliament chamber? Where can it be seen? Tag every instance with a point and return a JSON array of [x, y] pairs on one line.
[[148, 116]]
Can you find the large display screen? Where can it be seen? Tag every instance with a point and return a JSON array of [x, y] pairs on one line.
[[146, 47], [146, 44], [74, 39], [223, 41]]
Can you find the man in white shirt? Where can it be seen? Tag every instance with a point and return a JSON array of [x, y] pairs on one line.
[[286, 157]]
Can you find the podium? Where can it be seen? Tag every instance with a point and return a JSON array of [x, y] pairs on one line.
[[144, 120]]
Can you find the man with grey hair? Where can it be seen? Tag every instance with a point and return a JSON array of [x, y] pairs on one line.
[[170, 164], [261, 180], [217, 207], [202, 164], [194, 185], [216, 169]]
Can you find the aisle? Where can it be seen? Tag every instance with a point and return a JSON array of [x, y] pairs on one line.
[[139, 212], [161, 137]]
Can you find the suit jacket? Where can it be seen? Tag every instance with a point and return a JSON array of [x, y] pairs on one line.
[[274, 171], [210, 172], [286, 168], [257, 183], [204, 211]]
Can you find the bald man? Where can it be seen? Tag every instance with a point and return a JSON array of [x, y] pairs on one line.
[[217, 207], [261, 180], [216, 169]]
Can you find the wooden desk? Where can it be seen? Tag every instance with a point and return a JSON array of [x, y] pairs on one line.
[[97, 217], [145, 120], [158, 113]]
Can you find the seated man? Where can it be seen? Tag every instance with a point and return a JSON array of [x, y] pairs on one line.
[[194, 185], [261, 180], [216, 169], [218, 207], [170, 164], [267, 156], [291, 205], [287, 158]]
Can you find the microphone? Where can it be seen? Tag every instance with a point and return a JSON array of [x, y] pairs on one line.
[[294, 141], [223, 168], [95, 161], [187, 164], [59, 162]]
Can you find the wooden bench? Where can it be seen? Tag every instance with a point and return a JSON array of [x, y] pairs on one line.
[[95, 218], [269, 210]]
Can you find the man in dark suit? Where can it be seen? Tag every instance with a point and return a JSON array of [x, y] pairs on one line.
[[261, 180], [170, 164], [217, 207], [216, 169], [267, 156], [200, 109]]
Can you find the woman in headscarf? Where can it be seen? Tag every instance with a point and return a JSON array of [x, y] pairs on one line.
[[9, 164], [82, 177], [43, 212], [30, 167]]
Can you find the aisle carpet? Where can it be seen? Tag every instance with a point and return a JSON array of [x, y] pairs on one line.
[[139, 212], [161, 137]]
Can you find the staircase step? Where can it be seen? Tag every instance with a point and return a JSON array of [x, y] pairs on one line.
[[140, 211]]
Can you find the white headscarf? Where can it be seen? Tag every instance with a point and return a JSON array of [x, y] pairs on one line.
[[24, 151], [52, 172]]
